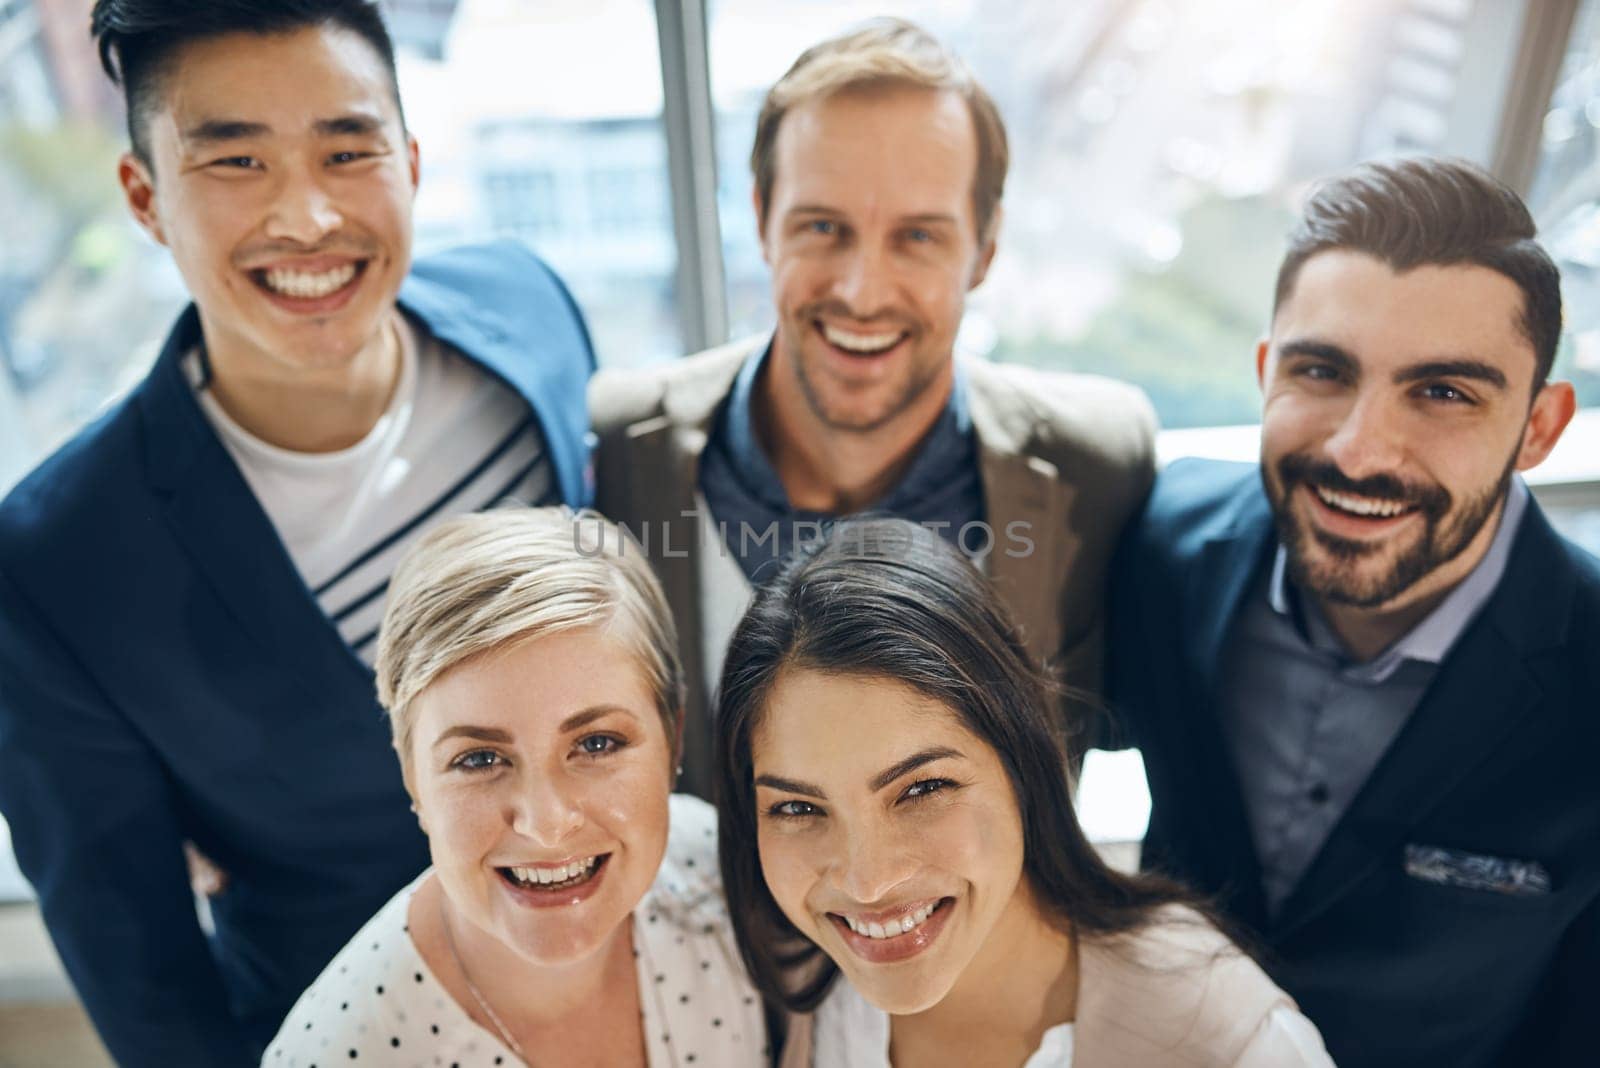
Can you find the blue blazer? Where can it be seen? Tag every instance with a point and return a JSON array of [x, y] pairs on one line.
[[165, 674], [1498, 760]]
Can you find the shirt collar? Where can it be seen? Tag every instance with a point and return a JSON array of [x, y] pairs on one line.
[[1430, 640], [949, 438]]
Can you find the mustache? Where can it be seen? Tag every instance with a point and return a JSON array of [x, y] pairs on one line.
[[1430, 498], [881, 318]]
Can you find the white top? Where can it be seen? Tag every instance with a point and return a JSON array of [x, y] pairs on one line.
[[453, 439], [377, 1002], [851, 1033]]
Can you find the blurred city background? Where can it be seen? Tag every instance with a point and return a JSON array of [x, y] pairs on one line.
[[1160, 148]]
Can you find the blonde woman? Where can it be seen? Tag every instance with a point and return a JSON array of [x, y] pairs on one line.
[[572, 915]]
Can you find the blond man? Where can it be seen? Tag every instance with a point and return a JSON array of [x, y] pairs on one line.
[[879, 165]]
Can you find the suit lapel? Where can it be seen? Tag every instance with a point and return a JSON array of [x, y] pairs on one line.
[[1227, 567], [218, 521], [1017, 489]]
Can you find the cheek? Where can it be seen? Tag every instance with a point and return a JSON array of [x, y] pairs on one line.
[[789, 864]]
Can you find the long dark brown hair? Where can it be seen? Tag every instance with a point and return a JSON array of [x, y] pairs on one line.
[[885, 598]]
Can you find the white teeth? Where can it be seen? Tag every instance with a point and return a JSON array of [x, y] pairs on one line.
[[1369, 506], [894, 927], [307, 286], [550, 876], [859, 342]]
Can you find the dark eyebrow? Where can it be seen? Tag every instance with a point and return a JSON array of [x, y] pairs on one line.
[[912, 763], [349, 126], [210, 131], [1476, 370], [1319, 350], [792, 786], [481, 734]]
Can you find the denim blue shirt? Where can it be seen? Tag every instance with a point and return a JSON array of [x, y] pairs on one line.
[[1306, 724], [941, 487]]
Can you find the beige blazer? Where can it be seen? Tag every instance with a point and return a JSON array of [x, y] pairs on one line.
[[1070, 455], [1175, 995]]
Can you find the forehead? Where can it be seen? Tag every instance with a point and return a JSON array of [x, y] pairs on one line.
[[915, 146], [1381, 316], [833, 728], [536, 683], [285, 80]]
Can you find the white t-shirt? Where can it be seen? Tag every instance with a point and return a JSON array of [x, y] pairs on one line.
[[852, 1033], [454, 439], [378, 1003]]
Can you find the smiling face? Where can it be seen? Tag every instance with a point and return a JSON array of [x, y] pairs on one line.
[[889, 835], [1396, 408], [282, 182], [541, 775], [872, 244]]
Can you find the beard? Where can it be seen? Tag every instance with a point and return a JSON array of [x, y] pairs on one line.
[[1447, 530], [899, 397]]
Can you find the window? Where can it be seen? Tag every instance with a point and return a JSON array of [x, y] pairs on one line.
[[1566, 200], [1158, 149]]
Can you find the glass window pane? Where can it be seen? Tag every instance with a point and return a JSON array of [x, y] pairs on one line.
[[1159, 149], [1566, 200]]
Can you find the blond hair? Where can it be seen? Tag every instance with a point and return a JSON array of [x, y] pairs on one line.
[[481, 582], [885, 53]]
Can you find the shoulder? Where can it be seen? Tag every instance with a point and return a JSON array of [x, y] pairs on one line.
[[376, 991], [620, 397], [1079, 419], [498, 268], [1196, 501], [1213, 999], [70, 496]]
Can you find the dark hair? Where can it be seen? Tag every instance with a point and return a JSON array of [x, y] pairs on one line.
[[138, 39], [885, 598], [1426, 210]]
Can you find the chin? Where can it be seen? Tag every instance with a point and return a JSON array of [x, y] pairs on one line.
[[906, 997]]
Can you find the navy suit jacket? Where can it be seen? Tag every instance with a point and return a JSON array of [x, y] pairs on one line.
[[1498, 759], [165, 674]]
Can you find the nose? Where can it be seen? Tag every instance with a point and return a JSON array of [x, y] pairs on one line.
[[302, 211], [1367, 438], [872, 863], [546, 809], [864, 283]]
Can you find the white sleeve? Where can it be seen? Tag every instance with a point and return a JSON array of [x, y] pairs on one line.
[[1285, 1039]]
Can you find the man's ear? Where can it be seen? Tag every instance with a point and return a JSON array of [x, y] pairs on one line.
[[1263, 347], [414, 161], [760, 209], [1552, 410], [987, 251], [139, 190]]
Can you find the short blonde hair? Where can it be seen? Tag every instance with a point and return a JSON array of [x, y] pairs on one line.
[[885, 53], [479, 583]]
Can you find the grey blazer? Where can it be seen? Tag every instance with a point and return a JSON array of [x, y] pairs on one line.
[[1070, 455]]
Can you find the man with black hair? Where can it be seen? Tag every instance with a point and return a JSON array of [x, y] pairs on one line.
[[1364, 673], [190, 589]]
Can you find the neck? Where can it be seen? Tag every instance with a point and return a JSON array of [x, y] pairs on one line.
[[1367, 632], [320, 409], [530, 999], [837, 471], [1023, 981]]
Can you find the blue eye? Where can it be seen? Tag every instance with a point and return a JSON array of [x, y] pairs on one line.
[[599, 744], [478, 760], [919, 236], [826, 227]]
